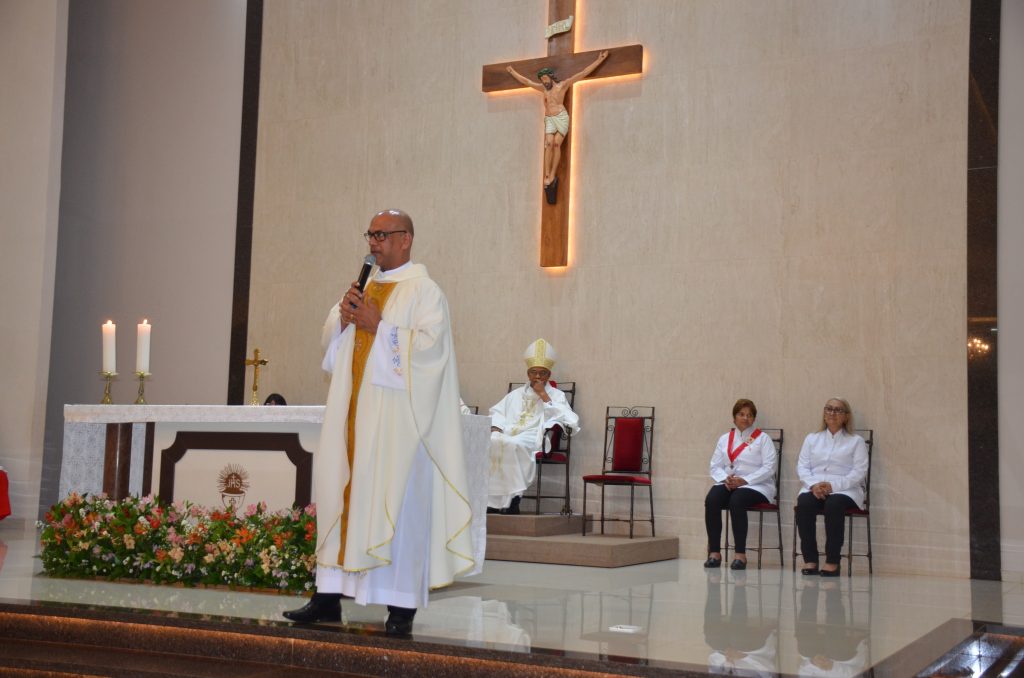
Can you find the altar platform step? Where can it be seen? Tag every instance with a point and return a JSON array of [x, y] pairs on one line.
[[575, 549], [532, 525]]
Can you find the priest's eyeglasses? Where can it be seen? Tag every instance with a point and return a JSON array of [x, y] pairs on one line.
[[380, 236], [834, 410]]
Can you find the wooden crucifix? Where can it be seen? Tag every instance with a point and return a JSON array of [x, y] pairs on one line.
[[564, 61]]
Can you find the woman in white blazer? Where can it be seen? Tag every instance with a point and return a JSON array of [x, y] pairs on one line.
[[832, 467], [743, 468]]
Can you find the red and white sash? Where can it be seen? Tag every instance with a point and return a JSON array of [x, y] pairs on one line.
[[732, 436]]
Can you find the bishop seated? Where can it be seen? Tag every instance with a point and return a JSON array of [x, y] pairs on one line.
[[518, 426]]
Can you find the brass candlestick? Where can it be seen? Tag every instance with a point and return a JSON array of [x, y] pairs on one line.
[[141, 400], [107, 377]]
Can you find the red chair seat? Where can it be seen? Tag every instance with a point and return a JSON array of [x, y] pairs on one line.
[[552, 458], [857, 512], [764, 506], [617, 479]]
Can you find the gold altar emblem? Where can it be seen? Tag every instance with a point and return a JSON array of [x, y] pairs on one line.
[[233, 482]]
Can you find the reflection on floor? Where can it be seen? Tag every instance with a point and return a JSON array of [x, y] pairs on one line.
[[671, 613]]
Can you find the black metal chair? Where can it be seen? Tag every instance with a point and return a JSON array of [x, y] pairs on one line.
[[628, 444], [869, 437], [761, 509], [559, 450]]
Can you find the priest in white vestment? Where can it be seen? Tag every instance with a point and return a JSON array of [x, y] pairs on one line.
[[518, 425], [390, 476]]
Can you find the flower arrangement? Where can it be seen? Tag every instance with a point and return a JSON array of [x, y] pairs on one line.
[[141, 539]]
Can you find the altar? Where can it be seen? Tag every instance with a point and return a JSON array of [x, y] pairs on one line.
[[222, 455]]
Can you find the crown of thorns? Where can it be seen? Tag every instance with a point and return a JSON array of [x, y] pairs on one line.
[[546, 71]]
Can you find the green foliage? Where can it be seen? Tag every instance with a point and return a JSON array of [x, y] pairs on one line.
[[142, 539]]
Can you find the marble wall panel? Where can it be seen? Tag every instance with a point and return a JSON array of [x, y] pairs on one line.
[[775, 210]]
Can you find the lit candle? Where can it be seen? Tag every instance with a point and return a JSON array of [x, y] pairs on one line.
[[142, 350], [109, 346]]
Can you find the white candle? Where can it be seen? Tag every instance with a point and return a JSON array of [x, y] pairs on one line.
[[142, 347], [109, 346]]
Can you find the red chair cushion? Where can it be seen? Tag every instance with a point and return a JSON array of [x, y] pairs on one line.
[[616, 479], [553, 458], [763, 506], [5, 502], [857, 512], [627, 449]]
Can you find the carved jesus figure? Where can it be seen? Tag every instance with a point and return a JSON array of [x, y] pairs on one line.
[[556, 118]]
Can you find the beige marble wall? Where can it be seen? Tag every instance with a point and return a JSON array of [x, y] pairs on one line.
[[1010, 348], [33, 37], [775, 210], [147, 204]]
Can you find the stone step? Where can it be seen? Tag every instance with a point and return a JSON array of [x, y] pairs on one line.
[[575, 549], [531, 525]]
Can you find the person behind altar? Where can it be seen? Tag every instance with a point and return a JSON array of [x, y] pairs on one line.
[[390, 474], [518, 424]]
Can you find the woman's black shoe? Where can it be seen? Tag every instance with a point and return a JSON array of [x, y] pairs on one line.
[[830, 573], [738, 564], [809, 570], [399, 621], [322, 607], [713, 562]]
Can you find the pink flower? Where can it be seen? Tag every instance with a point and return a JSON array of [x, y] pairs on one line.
[[311, 510]]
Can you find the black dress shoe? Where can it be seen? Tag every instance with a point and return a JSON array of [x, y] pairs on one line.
[[492, 510], [513, 508], [830, 573], [322, 607], [738, 564], [399, 621], [713, 562]]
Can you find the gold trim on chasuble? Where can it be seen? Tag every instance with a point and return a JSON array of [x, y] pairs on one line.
[[378, 293]]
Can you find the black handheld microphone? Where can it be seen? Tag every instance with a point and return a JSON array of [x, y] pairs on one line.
[[364, 273]]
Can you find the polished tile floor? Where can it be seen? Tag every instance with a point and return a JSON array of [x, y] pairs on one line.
[[673, 612]]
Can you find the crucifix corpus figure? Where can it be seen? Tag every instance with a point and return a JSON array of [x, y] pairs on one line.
[[556, 117]]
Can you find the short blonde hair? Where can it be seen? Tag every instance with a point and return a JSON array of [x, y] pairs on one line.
[[848, 426]]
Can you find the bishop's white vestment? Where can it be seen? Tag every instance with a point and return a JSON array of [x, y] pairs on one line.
[[523, 418], [393, 513]]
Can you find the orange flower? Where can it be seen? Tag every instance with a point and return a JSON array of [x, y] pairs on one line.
[[244, 536]]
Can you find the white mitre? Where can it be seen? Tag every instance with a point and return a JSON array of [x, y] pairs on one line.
[[540, 354]]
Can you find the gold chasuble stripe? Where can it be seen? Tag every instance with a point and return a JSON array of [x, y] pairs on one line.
[[377, 293]]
